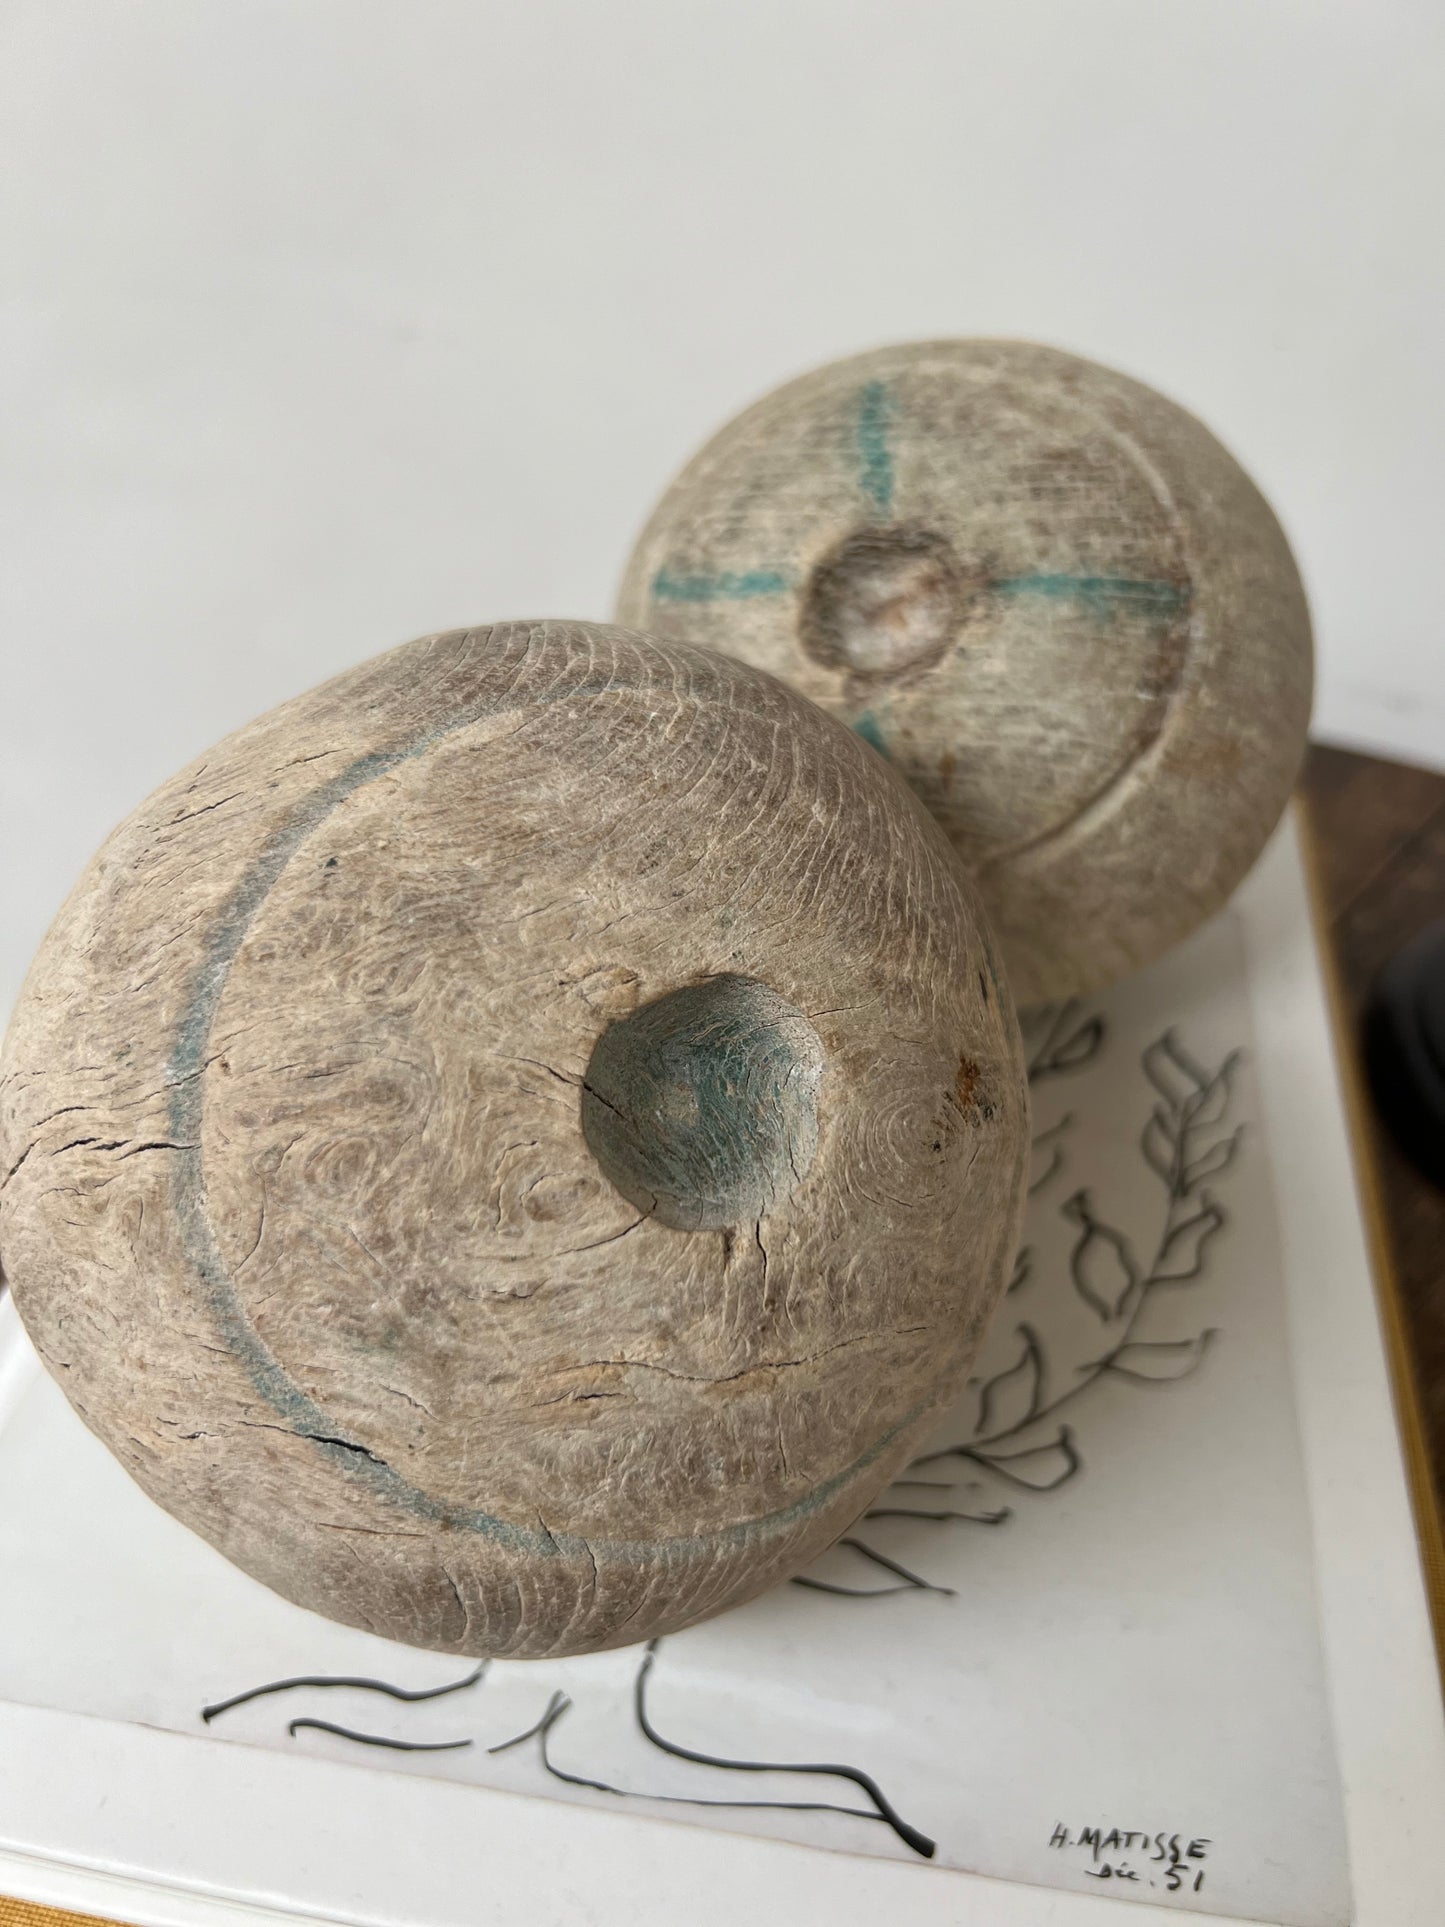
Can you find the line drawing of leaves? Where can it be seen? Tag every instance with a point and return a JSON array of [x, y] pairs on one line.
[[1068, 1044], [1102, 1263], [1188, 1240], [1212, 1101], [1210, 1163], [1038, 1468], [1109, 1278], [1166, 1049], [1161, 1361], [1029, 1372], [1160, 1144], [1051, 1170], [1058, 1157], [1174, 1080], [1107, 1274], [911, 1581]]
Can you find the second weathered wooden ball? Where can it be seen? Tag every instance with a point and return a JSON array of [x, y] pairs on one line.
[[1046, 593], [516, 1146]]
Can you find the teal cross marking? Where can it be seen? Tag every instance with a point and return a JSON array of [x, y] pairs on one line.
[[869, 728], [727, 587], [875, 409], [1103, 594]]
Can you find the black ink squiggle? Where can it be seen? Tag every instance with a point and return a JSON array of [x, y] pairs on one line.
[[1185, 1141], [208, 1713], [909, 1835], [538, 1726], [561, 1704], [912, 1582], [1068, 1044], [378, 1739]]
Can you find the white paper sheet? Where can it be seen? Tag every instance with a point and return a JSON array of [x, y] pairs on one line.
[[1117, 1687]]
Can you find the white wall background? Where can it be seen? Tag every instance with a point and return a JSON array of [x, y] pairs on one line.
[[327, 322]]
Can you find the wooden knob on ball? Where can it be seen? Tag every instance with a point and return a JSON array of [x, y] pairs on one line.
[[1046, 593], [515, 1146]]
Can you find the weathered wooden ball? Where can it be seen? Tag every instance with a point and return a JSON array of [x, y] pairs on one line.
[[516, 1146], [1046, 593]]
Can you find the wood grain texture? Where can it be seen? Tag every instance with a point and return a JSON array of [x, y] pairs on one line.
[[1378, 832], [303, 1210], [1046, 593]]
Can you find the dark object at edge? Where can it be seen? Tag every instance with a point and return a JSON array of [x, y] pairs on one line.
[[1404, 1036]]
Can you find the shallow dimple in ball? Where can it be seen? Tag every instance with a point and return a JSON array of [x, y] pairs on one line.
[[703, 1107], [883, 602], [516, 1146], [1046, 593]]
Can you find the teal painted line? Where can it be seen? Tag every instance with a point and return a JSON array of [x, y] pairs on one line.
[[1104, 592], [875, 410], [727, 587], [190, 1055], [868, 727]]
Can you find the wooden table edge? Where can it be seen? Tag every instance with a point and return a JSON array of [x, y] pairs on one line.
[[1404, 1384]]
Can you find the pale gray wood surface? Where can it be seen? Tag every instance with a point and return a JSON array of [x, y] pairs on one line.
[[1046, 593], [299, 1118]]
